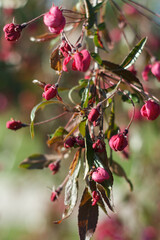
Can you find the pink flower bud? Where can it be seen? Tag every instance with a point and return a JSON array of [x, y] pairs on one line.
[[155, 69], [100, 174], [150, 110], [14, 125], [99, 146], [118, 142], [54, 20], [70, 142], [94, 114], [50, 91], [54, 167], [81, 61], [96, 197], [80, 141], [12, 31], [54, 196], [146, 72]]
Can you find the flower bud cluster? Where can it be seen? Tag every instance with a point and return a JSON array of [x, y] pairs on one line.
[[74, 142]]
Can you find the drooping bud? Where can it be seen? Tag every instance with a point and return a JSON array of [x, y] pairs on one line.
[[80, 141], [70, 142], [12, 31], [150, 110], [54, 196], [50, 91], [118, 142], [96, 197], [155, 69], [99, 146], [100, 175], [94, 114], [54, 20], [54, 167], [14, 125]]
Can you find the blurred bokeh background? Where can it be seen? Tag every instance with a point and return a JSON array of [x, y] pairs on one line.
[[26, 212]]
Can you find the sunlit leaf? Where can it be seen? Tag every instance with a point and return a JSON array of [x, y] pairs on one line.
[[74, 162], [38, 161], [36, 108], [57, 135], [119, 171], [85, 97], [82, 128], [127, 97], [44, 37], [134, 54], [87, 216], [97, 40], [55, 60], [71, 194], [98, 6]]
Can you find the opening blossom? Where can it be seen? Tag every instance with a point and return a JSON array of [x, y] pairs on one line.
[[12, 31], [81, 61], [100, 174], [150, 110], [118, 142], [54, 20], [50, 91]]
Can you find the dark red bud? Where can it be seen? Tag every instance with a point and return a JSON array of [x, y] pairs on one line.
[[50, 91], [96, 197], [14, 125], [54, 167], [94, 114], [80, 141], [99, 146], [12, 31], [70, 142]]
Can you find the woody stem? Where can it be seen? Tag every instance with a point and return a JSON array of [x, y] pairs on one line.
[[23, 25], [51, 119]]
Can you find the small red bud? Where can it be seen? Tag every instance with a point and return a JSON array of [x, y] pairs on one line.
[[12, 31], [14, 125], [118, 142], [100, 174], [54, 196], [96, 197], [54, 167], [150, 110]]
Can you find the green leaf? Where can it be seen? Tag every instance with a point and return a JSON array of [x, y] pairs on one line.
[[85, 97], [98, 6], [35, 109], [37, 161], [122, 73], [127, 98], [104, 196], [89, 14], [97, 58], [89, 152], [119, 171], [87, 216], [101, 26], [134, 54], [82, 127]]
